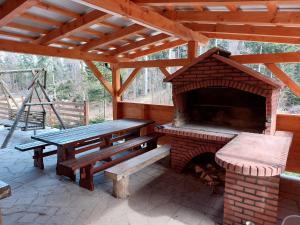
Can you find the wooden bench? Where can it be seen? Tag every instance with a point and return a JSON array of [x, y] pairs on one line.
[[38, 147], [36, 120], [5, 192], [86, 163], [120, 173]]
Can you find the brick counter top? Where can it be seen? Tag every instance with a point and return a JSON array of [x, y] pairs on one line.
[[256, 154]]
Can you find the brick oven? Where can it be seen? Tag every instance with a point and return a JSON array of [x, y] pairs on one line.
[[228, 109], [216, 98]]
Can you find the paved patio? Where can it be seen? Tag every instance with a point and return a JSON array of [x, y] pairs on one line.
[[159, 196]]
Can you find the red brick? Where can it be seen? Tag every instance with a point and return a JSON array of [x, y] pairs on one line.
[[248, 196]]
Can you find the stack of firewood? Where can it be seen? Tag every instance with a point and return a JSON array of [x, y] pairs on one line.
[[210, 174]]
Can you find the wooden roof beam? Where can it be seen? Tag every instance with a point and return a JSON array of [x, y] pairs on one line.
[[145, 17], [68, 29], [286, 57], [276, 31], [159, 48], [28, 48], [284, 78], [254, 37], [238, 17], [128, 81], [209, 2], [100, 77], [12, 9], [112, 37], [154, 63], [138, 44]]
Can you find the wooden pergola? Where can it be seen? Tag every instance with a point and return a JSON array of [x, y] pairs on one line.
[[119, 32]]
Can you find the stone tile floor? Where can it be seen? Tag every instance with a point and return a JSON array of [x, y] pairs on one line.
[[158, 196]]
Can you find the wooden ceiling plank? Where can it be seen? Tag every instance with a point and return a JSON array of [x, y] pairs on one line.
[[112, 37], [57, 9], [27, 27], [15, 35], [281, 75], [12, 9], [68, 29], [146, 17], [138, 44], [128, 81], [41, 19], [28, 48], [100, 77], [155, 49]]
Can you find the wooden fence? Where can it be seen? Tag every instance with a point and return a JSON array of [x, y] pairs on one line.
[[72, 113]]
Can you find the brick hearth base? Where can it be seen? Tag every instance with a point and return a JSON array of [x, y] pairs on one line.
[[185, 149], [249, 198]]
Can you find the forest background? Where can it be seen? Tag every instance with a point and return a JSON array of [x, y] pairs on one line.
[[71, 80]]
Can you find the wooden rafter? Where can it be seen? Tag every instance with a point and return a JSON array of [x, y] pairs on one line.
[[138, 44], [254, 37], [128, 81], [284, 78], [210, 2], [164, 71], [112, 37], [277, 31], [99, 76], [68, 29], [27, 48], [159, 48], [12, 9], [239, 17], [145, 17], [154, 63], [287, 57]]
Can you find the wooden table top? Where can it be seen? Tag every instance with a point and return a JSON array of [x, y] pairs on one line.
[[5, 190], [255, 154], [72, 135]]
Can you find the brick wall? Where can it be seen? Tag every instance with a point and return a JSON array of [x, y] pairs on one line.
[[250, 198], [185, 149]]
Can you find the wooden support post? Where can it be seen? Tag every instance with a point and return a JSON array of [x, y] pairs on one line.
[[116, 83], [86, 112], [192, 50], [120, 188]]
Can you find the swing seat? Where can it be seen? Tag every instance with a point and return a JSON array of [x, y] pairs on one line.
[[36, 120]]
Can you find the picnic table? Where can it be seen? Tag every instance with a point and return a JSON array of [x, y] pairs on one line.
[[73, 141]]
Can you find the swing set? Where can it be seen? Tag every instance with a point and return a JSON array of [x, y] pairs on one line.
[[31, 114]]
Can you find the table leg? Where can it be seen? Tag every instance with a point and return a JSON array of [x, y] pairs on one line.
[[64, 154], [38, 158]]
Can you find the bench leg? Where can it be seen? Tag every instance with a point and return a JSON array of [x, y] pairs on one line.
[[1, 221], [86, 177], [38, 158], [62, 155], [120, 188]]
